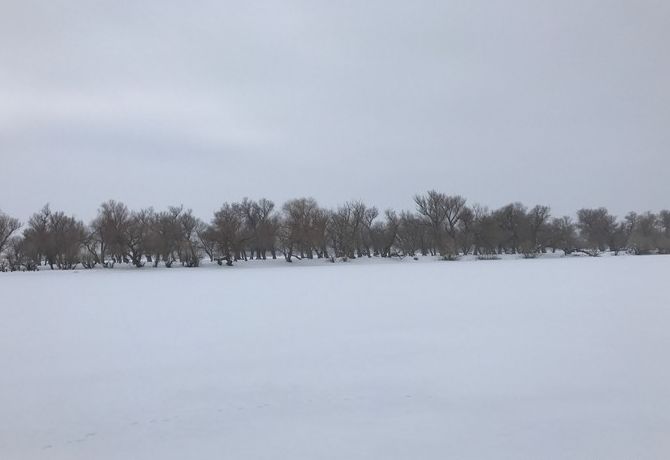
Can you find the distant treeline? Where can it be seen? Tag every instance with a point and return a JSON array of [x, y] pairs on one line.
[[441, 225]]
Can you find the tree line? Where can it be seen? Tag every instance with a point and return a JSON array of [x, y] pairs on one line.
[[441, 225]]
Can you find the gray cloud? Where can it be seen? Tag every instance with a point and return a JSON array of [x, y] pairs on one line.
[[564, 103]]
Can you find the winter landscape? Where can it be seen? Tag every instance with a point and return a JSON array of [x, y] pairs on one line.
[[351, 230], [556, 357]]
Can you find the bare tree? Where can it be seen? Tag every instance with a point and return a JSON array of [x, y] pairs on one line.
[[56, 237], [596, 227], [562, 235], [297, 232], [432, 207], [645, 232], [442, 213], [37, 234], [21, 255], [207, 239], [533, 231], [343, 229], [465, 231], [165, 236], [229, 232], [8, 226], [138, 234], [107, 242], [369, 214], [317, 232], [413, 235], [384, 235], [664, 238], [262, 226], [349, 230], [441, 225], [454, 206], [538, 222], [189, 249], [487, 234], [512, 221]]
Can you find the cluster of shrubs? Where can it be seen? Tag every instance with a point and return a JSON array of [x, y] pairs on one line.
[[441, 225]]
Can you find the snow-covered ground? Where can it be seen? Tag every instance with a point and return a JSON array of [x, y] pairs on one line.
[[567, 358]]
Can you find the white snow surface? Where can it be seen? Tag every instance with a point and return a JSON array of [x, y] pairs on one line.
[[552, 358]]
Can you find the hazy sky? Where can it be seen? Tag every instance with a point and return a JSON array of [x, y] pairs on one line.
[[563, 102]]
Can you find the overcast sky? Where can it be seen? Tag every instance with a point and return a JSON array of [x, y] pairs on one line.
[[563, 102]]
